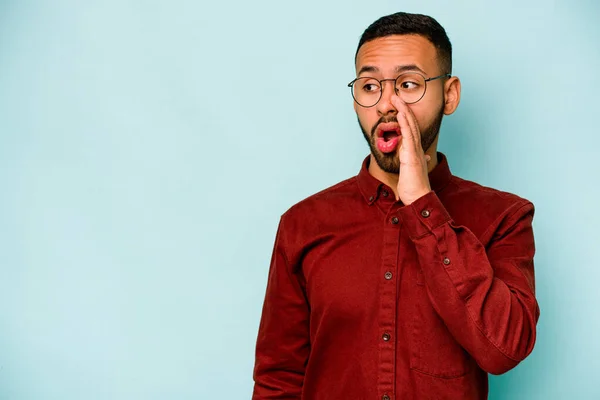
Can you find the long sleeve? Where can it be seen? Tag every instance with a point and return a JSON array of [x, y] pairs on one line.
[[283, 344], [484, 295]]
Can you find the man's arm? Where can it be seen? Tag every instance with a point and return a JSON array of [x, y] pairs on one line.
[[283, 344], [486, 299]]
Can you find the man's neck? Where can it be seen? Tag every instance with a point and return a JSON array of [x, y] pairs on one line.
[[391, 179]]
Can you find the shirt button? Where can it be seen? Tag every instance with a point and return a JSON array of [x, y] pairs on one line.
[[388, 275], [385, 397], [446, 261], [371, 198], [385, 193], [425, 213], [395, 220], [386, 337]]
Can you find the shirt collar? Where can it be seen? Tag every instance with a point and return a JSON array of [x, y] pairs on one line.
[[371, 187]]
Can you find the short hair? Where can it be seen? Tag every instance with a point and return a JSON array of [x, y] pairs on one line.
[[402, 23]]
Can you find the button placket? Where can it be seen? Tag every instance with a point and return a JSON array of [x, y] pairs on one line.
[[388, 302]]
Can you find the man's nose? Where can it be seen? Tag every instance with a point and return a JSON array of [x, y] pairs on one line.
[[385, 105]]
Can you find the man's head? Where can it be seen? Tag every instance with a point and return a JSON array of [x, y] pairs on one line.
[[404, 43]]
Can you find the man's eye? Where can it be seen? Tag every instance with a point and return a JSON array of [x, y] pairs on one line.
[[408, 85], [370, 87]]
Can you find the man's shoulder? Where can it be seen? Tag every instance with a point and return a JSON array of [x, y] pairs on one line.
[[483, 195], [475, 204], [326, 199]]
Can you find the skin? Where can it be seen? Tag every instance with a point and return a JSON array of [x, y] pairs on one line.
[[406, 171]]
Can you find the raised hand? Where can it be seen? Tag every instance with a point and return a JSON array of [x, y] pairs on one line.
[[413, 180]]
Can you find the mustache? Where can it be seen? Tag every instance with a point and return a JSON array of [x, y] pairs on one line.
[[383, 120]]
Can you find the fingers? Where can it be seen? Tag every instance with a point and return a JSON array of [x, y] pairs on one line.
[[408, 138], [412, 121], [411, 137]]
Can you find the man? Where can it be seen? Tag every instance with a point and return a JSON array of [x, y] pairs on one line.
[[405, 281]]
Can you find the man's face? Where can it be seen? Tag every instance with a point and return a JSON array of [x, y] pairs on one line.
[[382, 59]]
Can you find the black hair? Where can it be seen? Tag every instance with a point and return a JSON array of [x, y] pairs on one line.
[[402, 23]]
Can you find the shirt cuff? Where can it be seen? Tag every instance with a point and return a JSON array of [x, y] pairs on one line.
[[423, 215]]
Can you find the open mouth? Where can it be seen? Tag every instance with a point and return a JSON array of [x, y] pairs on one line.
[[388, 136], [388, 130]]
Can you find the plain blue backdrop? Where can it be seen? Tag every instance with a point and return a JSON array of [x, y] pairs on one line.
[[147, 150]]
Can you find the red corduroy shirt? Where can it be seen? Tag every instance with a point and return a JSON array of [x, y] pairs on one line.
[[370, 299]]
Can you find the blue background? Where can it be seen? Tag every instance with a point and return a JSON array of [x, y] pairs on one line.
[[147, 150]]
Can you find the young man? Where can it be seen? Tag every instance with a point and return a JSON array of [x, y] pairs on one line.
[[405, 281]]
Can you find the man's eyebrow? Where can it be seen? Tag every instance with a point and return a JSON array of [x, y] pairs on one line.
[[368, 68], [405, 68], [399, 69]]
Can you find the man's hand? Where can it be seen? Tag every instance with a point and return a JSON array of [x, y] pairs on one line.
[[413, 181]]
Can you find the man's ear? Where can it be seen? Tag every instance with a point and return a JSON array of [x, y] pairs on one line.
[[451, 95]]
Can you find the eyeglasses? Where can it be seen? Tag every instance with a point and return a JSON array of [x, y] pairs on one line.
[[409, 86]]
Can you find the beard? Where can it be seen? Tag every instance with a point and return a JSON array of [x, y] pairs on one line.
[[389, 162]]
